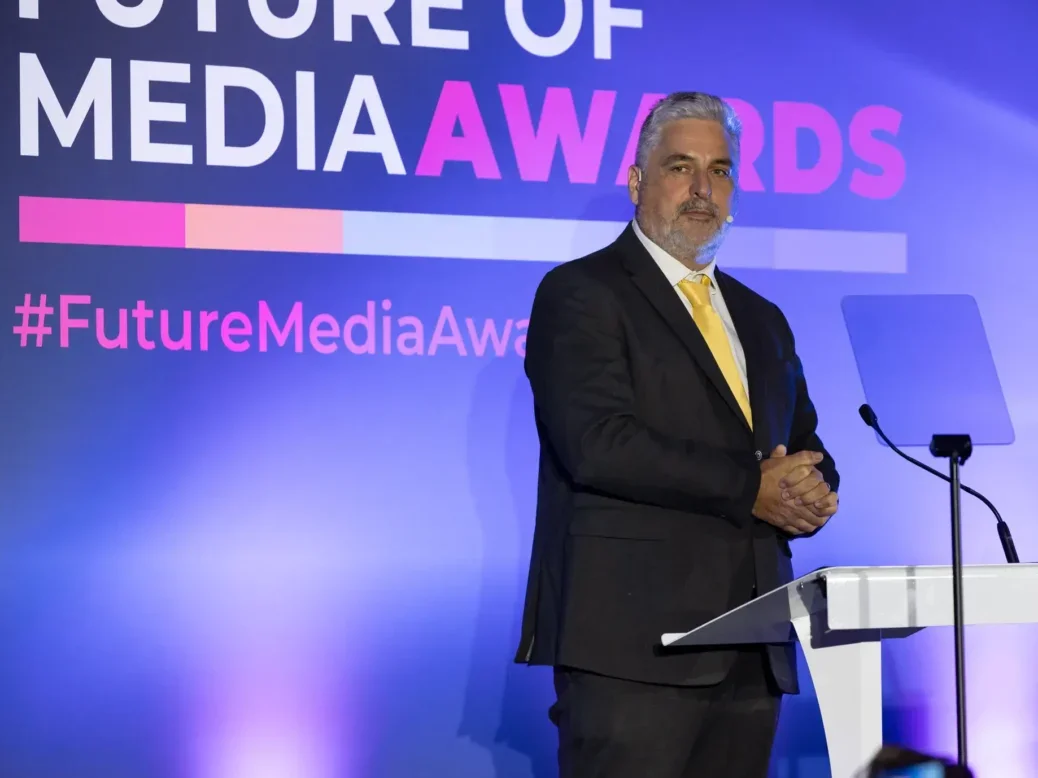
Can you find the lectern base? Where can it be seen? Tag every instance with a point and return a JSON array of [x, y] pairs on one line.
[[848, 681]]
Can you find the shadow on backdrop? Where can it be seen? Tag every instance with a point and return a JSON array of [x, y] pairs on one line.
[[506, 705]]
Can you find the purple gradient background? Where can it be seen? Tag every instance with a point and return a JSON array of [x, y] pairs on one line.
[[265, 565]]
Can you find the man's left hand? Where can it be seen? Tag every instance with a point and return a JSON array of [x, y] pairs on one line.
[[827, 506], [807, 487]]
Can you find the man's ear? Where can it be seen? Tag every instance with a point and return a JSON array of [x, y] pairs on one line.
[[634, 180]]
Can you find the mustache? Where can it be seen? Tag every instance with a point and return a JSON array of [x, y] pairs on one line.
[[697, 206]]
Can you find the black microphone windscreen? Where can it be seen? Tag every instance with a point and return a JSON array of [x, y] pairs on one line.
[[867, 415]]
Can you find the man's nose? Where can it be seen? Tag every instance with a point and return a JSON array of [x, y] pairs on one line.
[[700, 184]]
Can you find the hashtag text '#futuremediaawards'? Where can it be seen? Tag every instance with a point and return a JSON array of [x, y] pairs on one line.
[[79, 322]]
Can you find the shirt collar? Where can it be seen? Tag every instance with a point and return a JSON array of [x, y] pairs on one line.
[[672, 269]]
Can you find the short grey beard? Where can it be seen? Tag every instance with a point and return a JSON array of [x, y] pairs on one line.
[[675, 243]]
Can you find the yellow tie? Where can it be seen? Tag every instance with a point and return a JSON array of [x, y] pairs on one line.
[[710, 324]]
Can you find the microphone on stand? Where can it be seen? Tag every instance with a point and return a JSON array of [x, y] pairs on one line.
[[1008, 547]]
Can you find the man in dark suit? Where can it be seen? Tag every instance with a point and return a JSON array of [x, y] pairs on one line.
[[679, 457]]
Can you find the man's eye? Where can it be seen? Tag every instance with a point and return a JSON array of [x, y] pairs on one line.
[[723, 172]]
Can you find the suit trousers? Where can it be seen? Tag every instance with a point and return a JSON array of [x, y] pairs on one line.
[[613, 728]]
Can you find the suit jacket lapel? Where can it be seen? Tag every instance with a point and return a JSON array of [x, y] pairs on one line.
[[748, 326], [652, 283]]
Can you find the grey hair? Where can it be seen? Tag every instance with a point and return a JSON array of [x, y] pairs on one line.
[[687, 105]]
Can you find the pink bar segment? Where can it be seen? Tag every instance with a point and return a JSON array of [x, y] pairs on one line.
[[100, 222], [253, 228]]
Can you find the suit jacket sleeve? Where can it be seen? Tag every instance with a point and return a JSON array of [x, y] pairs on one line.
[[584, 400], [804, 431]]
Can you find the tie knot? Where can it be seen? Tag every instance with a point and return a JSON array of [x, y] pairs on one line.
[[697, 290]]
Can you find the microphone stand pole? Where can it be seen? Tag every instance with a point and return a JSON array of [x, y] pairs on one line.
[[956, 448]]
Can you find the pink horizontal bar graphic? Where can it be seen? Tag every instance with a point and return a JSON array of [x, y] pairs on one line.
[[254, 228], [100, 222], [453, 236]]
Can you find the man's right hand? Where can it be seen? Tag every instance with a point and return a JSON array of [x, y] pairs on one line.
[[771, 507]]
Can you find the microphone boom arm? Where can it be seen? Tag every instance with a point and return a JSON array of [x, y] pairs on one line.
[[1006, 538]]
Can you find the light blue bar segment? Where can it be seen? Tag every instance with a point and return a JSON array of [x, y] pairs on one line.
[[516, 239]]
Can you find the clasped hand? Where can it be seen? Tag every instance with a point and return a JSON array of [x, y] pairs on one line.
[[793, 494]]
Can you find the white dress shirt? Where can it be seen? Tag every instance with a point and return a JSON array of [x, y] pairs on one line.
[[676, 272]]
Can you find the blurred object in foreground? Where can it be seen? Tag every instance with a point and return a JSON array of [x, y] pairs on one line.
[[897, 762]]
